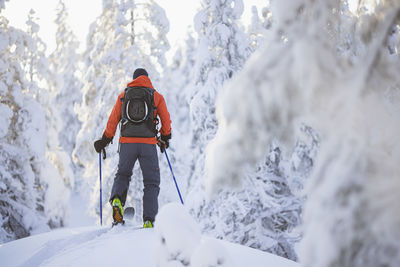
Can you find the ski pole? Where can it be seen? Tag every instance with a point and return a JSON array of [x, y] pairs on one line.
[[177, 188], [101, 193]]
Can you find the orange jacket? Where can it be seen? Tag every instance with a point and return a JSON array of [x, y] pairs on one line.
[[161, 111]]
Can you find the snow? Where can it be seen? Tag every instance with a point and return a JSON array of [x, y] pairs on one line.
[[6, 113], [133, 246], [78, 214], [178, 233], [308, 126], [353, 187], [285, 11], [36, 193]]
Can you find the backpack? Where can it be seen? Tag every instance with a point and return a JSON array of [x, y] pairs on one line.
[[137, 117]]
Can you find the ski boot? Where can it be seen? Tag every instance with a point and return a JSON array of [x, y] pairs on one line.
[[118, 212], [148, 224]]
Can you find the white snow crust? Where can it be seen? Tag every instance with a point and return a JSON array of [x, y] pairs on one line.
[[133, 246]]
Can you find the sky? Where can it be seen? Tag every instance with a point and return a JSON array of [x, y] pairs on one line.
[[83, 12]]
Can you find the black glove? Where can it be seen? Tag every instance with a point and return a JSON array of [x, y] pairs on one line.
[[163, 142], [100, 144]]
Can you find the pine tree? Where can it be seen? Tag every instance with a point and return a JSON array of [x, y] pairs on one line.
[[223, 49], [265, 214], [259, 27], [352, 194], [30, 184], [66, 86], [19, 196], [176, 84], [177, 81], [150, 28], [37, 63], [212, 68], [56, 173]]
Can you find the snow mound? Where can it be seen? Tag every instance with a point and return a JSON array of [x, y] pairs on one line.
[[176, 241], [178, 235], [180, 244], [211, 252]]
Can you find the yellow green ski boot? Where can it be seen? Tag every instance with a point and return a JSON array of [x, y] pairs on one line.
[[118, 211], [148, 224]]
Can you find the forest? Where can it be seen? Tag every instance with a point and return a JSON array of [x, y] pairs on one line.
[[284, 132]]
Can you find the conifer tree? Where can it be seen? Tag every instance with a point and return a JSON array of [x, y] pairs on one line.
[[223, 49], [30, 184], [57, 173], [259, 27], [176, 83], [265, 213], [355, 177], [66, 85]]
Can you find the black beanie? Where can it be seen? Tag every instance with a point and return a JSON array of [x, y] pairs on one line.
[[139, 72]]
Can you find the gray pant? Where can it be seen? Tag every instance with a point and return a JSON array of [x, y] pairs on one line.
[[148, 160]]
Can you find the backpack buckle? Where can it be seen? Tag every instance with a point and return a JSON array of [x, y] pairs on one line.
[[124, 121]]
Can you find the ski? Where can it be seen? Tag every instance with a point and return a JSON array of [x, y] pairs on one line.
[[116, 223]]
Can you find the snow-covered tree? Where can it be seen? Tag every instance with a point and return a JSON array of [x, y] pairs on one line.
[[33, 194], [41, 77], [150, 26], [223, 49], [259, 27], [22, 120], [264, 214], [351, 216], [66, 86], [37, 63], [221, 52], [177, 82]]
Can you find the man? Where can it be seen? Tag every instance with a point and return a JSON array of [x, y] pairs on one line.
[[137, 108]]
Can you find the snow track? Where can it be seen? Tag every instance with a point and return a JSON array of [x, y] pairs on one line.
[[105, 246], [76, 247], [54, 248]]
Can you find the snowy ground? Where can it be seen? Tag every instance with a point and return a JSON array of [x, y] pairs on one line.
[[102, 246], [106, 246], [79, 215]]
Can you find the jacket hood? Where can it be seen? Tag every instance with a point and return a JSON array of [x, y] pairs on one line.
[[143, 81]]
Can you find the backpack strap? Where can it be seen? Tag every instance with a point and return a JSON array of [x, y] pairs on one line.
[[152, 98], [124, 119], [126, 89]]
